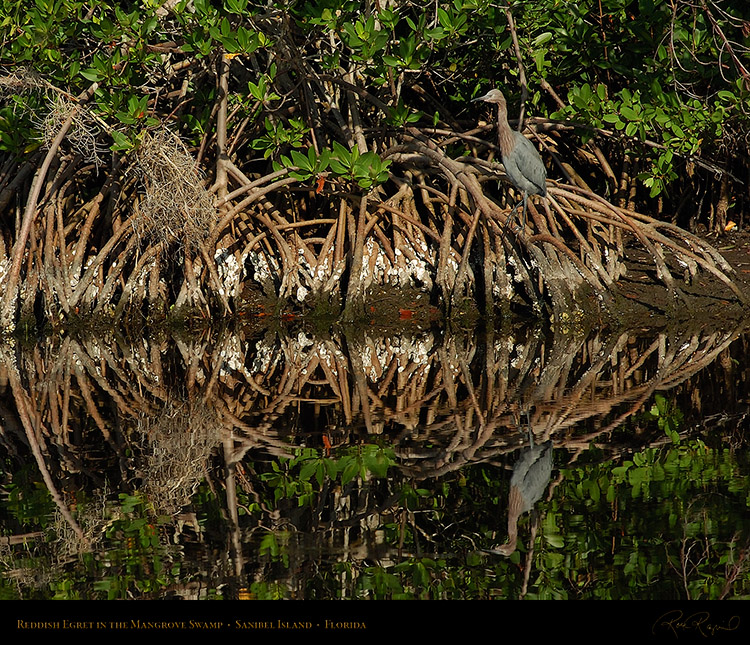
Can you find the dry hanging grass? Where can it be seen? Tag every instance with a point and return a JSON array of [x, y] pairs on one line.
[[176, 205], [181, 438], [83, 134], [21, 79]]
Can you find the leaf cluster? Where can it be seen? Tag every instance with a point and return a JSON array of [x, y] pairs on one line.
[[650, 72]]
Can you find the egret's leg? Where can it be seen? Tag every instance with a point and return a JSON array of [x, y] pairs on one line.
[[511, 217], [525, 412], [523, 217], [522, 203]]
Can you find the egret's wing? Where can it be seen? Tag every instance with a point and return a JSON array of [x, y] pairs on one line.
[[532, 471], [529, 164]]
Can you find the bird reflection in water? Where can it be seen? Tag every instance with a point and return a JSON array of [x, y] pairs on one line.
[[531, 475]]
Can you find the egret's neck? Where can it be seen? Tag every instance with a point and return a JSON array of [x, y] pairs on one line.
[[504, 133], [515, 508]]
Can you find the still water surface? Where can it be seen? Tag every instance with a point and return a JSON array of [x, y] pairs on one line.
[[288, 463]]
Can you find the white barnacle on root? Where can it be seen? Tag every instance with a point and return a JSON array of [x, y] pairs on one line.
[[230, 272], [378, 354], [263, 356], [412, 269]]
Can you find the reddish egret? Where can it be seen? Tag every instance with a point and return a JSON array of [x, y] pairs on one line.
[[521, 160], [531, 474]]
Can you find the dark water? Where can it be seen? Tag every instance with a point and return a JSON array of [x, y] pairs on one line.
[[295, 464]]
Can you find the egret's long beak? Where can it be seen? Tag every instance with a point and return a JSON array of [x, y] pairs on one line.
[[493, 96]]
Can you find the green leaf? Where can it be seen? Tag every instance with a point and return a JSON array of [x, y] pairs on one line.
[[543, 38], [91, 75], [350, 472], [629, 113], [308, 469], [301, 161], [121, 142], [337, 167]]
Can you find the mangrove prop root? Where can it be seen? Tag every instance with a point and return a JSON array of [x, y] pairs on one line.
[[158, 228]]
